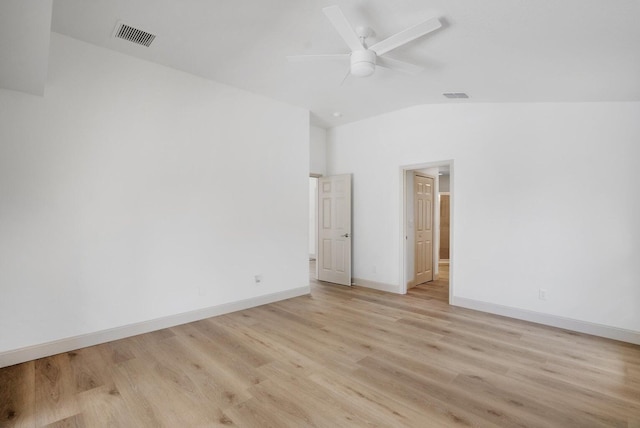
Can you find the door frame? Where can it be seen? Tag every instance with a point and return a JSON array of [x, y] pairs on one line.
[[315, 214], [403, 170]]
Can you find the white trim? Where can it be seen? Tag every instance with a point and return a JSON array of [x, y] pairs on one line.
[[29, 353], [403, 230], [314, 256], [601, 330], [382, 286]]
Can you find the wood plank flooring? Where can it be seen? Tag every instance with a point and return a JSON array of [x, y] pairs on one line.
[[341, 357]]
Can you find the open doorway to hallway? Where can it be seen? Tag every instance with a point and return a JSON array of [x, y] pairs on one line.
[[437, 245], [313, 224]]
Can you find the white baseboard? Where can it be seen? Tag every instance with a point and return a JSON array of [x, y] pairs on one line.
[[391, 288], [29, 353], [600, 330]]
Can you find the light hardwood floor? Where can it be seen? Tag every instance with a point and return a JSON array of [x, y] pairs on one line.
[[339, 357]]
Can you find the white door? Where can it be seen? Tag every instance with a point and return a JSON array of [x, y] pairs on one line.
[[334, 229], [423, 218]]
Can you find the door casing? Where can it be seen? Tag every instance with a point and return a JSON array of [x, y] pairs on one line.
[[403, 172]]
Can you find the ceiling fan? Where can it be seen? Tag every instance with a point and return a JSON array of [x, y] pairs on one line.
[[365, 58]]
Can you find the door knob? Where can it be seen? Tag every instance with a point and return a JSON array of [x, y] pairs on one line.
[[346, 235]]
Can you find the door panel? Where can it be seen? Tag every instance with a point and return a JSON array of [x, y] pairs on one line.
[[423, 219], [325, 255], [334, 230], [340, 256], [326, 213]]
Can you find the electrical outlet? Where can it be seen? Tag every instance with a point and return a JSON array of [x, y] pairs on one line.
[[542, 294], [374, 269], [258, 278]]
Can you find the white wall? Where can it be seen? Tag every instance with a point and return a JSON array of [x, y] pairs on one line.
[[132, 191], [317, 165], [444, 183], [531, 209], [318, 150]]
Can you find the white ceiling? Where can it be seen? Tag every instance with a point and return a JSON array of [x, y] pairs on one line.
[[25, 30], [494, 50]]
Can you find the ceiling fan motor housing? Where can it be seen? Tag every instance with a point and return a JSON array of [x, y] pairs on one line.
[[363, 62]]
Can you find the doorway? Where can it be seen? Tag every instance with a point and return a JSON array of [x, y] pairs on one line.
[[313, 216], [313, 224], [442, 171], [445, 220]]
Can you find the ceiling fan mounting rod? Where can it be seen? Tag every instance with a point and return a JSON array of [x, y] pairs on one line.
[[363, 33]]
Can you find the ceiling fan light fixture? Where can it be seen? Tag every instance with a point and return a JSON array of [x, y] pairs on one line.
[[363, 69], [363, 63]]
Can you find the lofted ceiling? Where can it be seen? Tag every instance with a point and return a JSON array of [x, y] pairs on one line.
[[493, 50], [25, 30]]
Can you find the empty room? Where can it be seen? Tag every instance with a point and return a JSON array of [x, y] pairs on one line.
[[279, 213]]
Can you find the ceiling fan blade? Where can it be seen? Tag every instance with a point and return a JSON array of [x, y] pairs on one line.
[[344, 79], [394, 64], [406, 36], [300, 58], [343, 27]]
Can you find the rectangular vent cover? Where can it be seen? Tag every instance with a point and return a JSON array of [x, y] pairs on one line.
[[455, 95], [126, 32]]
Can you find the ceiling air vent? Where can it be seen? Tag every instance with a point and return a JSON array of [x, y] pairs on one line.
[[455, 95], [135, 35]]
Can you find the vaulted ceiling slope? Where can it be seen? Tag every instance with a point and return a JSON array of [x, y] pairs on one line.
[[493, 50], [25, 30]]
